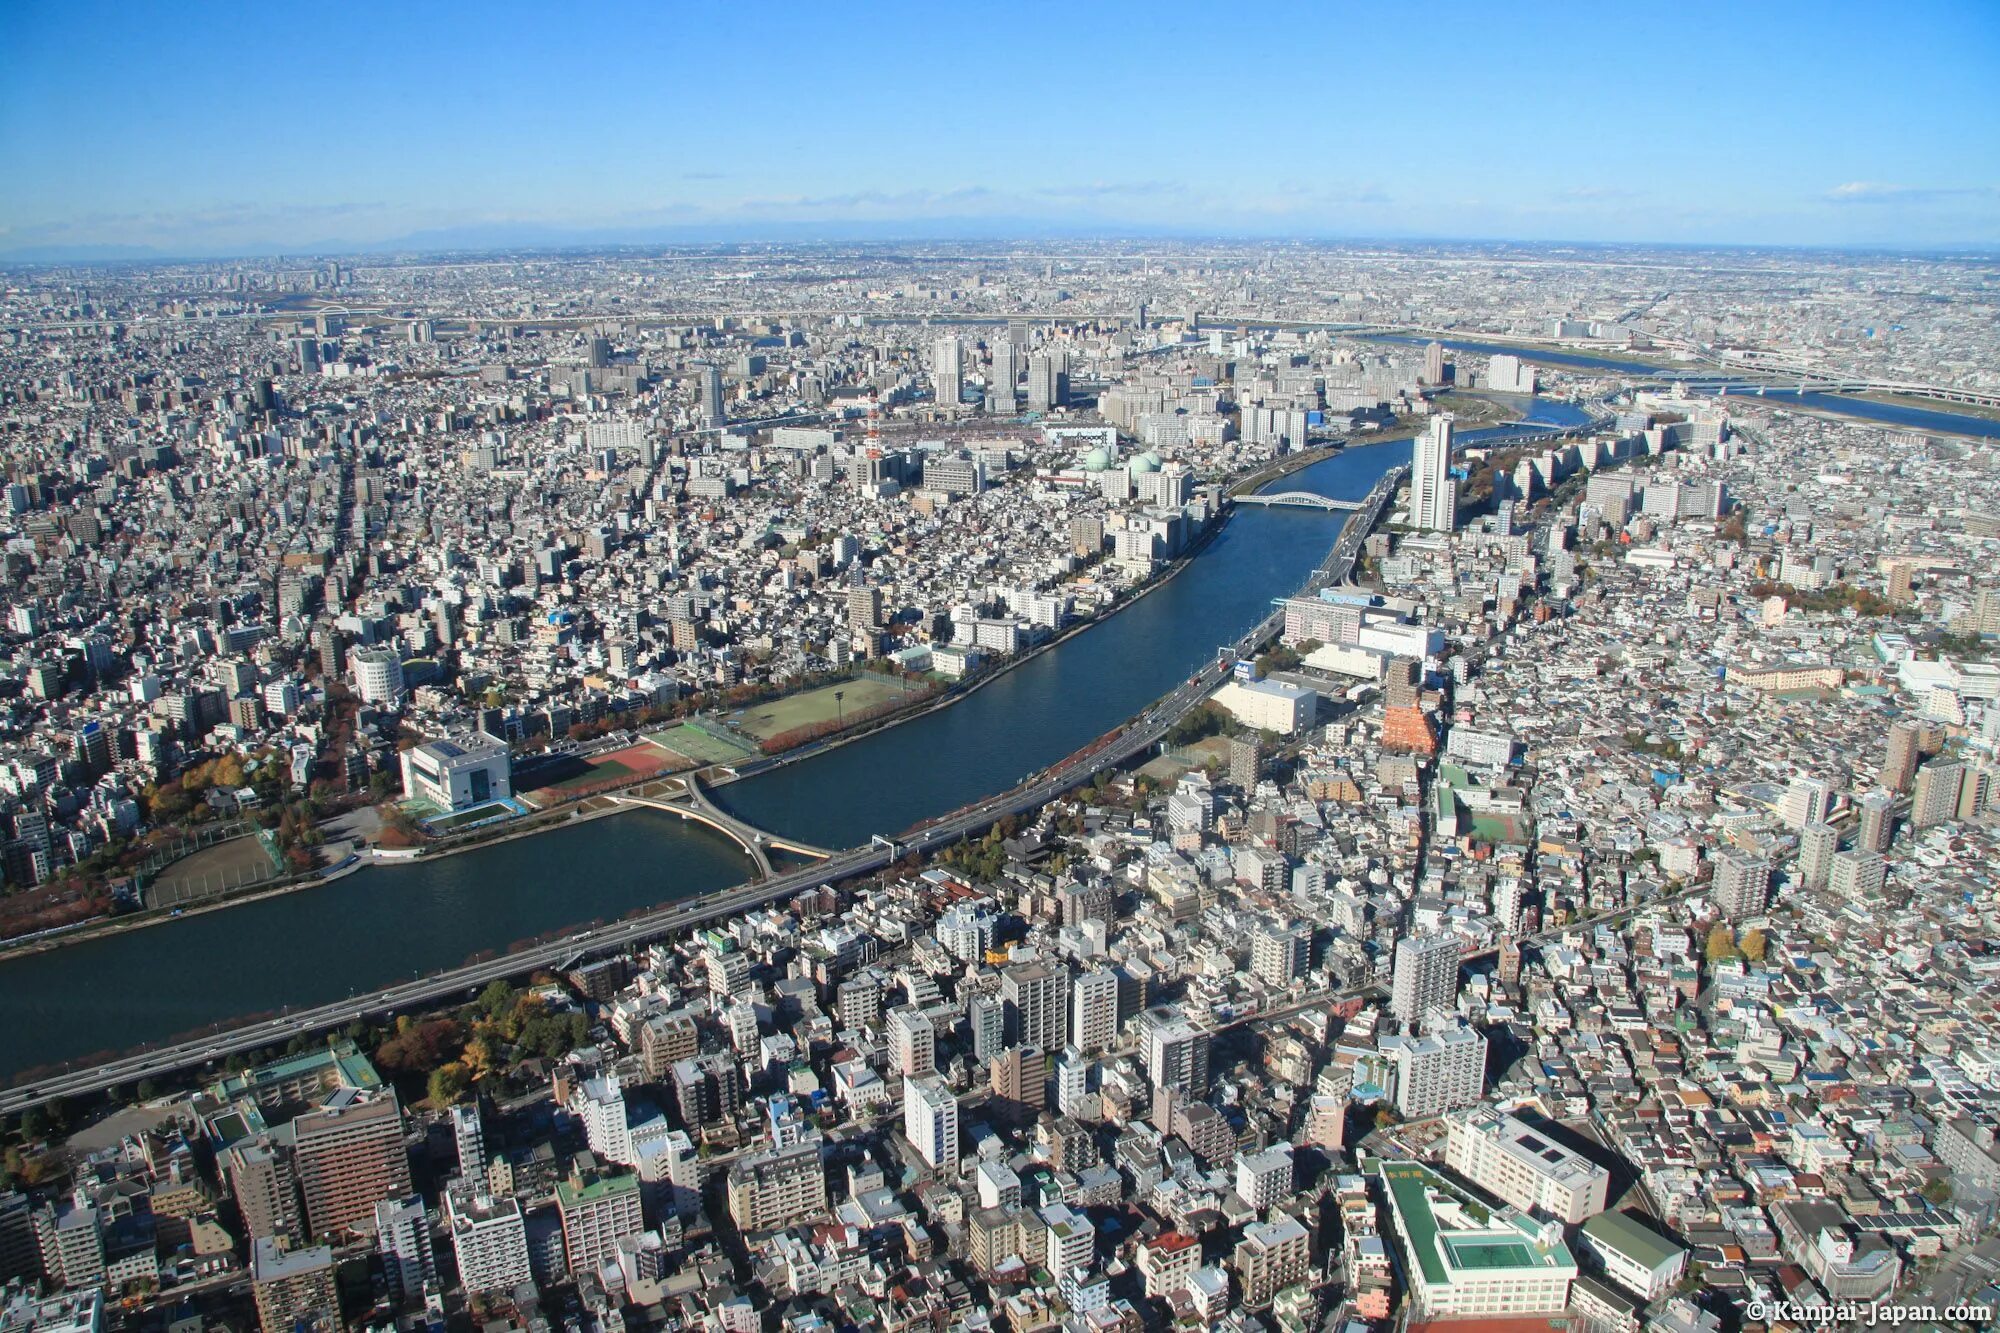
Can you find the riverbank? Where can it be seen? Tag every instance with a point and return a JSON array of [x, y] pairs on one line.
[[712, 776]]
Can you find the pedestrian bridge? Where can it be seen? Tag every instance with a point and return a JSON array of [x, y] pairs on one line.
[[692, 802], [1300, 500]]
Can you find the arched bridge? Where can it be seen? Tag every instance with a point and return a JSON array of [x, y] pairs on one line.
[[694, 803], [1300, 500]]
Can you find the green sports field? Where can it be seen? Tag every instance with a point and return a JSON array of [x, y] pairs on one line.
[[701, 745], [810, 708]]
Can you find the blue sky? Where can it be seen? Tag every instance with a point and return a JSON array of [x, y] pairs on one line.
[[211, 128]]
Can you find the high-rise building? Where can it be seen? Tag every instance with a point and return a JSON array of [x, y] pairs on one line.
[[913, 1041], [1426, 976], [1857, 874], [1878, 822], [1525, 1166], [1279, 954], [1935, 799], [1264, 1179], [1020, 1081], [598, 1212], [470, 1134], [1175, 1052], [1002, 395], [714, 413], [1072, 1081], [948, 372], [1246, 762], [1272, 1255], [1433, 490], [778, 1188], [266, 1190], [1434, 362], [1045, 377], [1437, 1073], [490, 1239], [1094, 1009], [600, 1105], [1817, 844], [1037, 1000], [1899, 765], [986, 1021], [403, 1239], [1742, 883], [930, 1121], [349, 1156], [294, 1289], [1806, 801]]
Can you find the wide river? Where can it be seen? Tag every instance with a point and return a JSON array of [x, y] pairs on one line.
[[388, 923], [1887, 414]]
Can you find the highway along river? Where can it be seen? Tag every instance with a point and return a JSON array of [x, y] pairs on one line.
[[385, 924]]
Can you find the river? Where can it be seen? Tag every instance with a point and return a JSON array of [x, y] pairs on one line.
[[1887, 414], [382, 924]]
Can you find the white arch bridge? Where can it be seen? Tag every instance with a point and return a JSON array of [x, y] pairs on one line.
[[1300, 500]]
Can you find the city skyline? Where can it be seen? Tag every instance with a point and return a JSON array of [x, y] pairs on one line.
[[139, 137]]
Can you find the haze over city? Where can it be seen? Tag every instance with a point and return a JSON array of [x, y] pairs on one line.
[[252, 129]]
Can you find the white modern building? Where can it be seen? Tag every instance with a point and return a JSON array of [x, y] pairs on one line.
[[460, 773], [1514, 1161], [930, 1121]]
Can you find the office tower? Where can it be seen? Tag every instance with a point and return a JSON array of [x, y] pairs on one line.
[[779, 1188], [1037, 1000], [1857, 873], [1094, 1009], [1019, 1077], [1806, 801], [948, 372], [1044, 382], [1272, 1255], [986, 1020], [1434, 363], [1742, 883], [1433, 490], [1175, 1052], [261, 1180], [1001, 393], [490, 1239], [403, 1239], [1817, 843], [1279, 954], [1899, 766], [713, 413], [600, 1104], [596, 1214], [349, 1156], [1935, 799], [1246, 762], [930, 1121], [1437, 1073], [1264, 1179], [913, 1041], [470, 1135], [1426, 976], [1878, 822], [295, 1290]]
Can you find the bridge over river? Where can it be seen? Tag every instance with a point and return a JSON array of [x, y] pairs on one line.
[[692, 802]]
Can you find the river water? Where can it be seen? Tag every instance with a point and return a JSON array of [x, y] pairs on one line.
[[383, 924], [1887, 414]]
